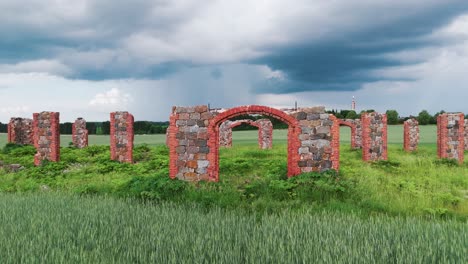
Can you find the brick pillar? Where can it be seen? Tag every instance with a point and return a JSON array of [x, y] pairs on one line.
[[451, 136], [374, 136], [80, 133], [121, 136], [46, 126], [410, 135]]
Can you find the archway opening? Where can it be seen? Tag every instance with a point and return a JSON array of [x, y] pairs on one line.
[[254, 146], [247, 159]]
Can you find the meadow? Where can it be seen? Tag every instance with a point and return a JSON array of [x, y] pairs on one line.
[[412, 208], [55, 228]]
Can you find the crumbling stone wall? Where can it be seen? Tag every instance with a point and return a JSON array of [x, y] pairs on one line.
[[265, 132], [410, 134], [122, 136], [46, 126], [374, 136], [356, 131], [80, 133], [451, 136], [20, 131], [194, 139]]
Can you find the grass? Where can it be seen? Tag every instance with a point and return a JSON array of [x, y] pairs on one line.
[[56, 228]]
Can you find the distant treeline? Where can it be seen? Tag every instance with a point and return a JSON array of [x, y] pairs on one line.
[[103, 128]]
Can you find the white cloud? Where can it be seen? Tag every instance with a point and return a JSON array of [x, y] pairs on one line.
[[113, 98]]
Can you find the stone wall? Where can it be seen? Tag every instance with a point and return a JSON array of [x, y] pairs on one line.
[[194, 136], [188, 142], [374, 136], [451, 136], [410, 134], [46, 127], [122, 136], [20, 131], [265, 132], [80, 133]]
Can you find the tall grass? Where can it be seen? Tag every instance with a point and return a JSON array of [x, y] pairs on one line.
[[55, 228]]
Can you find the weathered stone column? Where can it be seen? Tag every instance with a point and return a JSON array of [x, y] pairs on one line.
[[265, 133], [451, 136], [410, 134], [46, 126], [225, 134], [374, 136], [80, 133], [20, 131], [122, 136], [466, 134]]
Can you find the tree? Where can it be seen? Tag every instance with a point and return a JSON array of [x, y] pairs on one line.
[[352, 115], [392, 117], [424, 117]]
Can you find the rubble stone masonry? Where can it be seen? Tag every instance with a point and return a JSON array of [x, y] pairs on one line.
[[374, 136], [410, 134], [20, 131], [80, 133], [451, 136], [46, 126], [121, 136]]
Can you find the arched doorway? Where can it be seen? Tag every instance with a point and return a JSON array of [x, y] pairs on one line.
[[353, 132], [293, 136]]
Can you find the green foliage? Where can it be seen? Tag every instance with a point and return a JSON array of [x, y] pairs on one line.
[[392, 117], [424, 117], [352, 115]]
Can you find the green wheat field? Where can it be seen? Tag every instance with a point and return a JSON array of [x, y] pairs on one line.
[[412, 208]]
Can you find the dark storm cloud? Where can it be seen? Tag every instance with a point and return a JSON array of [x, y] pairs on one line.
[[345, 62]]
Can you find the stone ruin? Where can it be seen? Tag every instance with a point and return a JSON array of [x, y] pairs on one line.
[[121, 136], [410, 135], [451, 136], [194, 134], [374, 136], [356, 131], [46, 126], [20, 131], [466, 134], [80, 133], [265, 132]]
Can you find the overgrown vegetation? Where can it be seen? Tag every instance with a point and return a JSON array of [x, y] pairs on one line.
[[255, 180], [55, 228]]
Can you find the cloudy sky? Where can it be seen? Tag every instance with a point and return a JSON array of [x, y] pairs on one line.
[[90, 57]]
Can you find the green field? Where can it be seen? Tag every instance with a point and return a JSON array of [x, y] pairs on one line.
[[395, 135], [412, 208], [52, 228]]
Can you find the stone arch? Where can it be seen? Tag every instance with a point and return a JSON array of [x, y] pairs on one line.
[[265, 132], [342, 122], [213, 132]]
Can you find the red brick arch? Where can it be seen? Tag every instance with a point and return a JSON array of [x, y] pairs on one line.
[[293, 136], [353, 131], [240, 122]]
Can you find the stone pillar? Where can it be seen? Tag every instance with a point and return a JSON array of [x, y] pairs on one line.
[[225, 134], [374, 136], [357, 134], [122, 136], [319, 141], [46, 126], [188, 138], [466, 134], [410, 135], [265, 133], [80, 133], [20, 131], [451, 136]]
